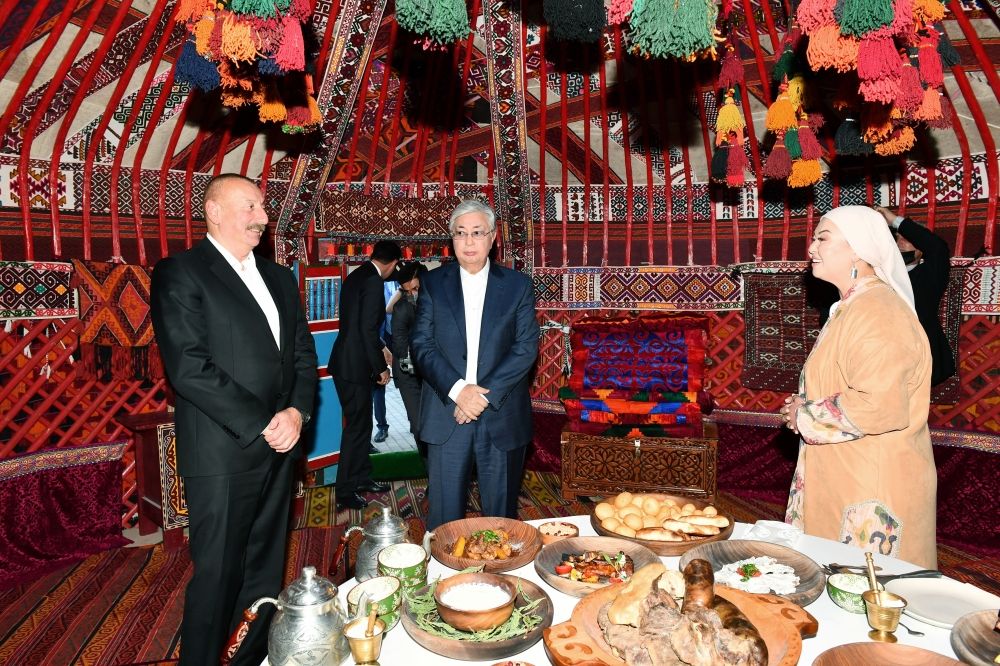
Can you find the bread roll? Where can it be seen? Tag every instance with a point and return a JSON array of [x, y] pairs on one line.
[[630, 510], [637, 500], [650, 521], [717, 521], [625, 531], [650, 506], [611, 524], [710, 510], [660, 534], [633, 521], [623, 500], [604, 510]]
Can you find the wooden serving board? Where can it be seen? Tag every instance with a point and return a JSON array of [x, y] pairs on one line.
[[668, 548], [580, 641], [853, 654], [520, 533]]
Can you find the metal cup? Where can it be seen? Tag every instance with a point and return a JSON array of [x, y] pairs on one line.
[[364, 649], [883, 609]]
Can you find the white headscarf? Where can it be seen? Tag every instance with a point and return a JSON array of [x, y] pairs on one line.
[[868, 235]]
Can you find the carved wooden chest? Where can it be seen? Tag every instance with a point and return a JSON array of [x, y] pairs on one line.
[[596, 465]]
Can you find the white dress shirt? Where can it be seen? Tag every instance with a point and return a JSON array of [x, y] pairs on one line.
[[247, 270], [473, 296]]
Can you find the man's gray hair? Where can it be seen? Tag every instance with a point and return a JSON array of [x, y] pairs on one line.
[[472, 206]]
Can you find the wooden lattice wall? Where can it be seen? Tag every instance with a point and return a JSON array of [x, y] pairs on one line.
[[46, 403]]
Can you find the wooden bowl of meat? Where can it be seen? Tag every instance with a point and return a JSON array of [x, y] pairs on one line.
[[496, 544]]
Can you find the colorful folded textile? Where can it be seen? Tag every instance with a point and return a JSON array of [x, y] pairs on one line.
[[631, 412]]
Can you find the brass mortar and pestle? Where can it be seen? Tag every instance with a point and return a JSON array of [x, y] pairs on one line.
[[883, 608], [364, 634]]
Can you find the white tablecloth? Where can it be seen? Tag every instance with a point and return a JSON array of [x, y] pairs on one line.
[[836, 626]]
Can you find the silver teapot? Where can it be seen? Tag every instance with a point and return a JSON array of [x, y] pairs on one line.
[[382, 530], [308, 628]]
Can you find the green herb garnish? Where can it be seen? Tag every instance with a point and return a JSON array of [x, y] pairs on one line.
[[488, 536], [748, 571], [521, 621]]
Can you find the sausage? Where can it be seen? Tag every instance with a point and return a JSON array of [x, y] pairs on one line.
[[738, 623], [699, 585]]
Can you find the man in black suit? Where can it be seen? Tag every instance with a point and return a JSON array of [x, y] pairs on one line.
[[358, 362], [404, 314], [238, 352], [927, 259]]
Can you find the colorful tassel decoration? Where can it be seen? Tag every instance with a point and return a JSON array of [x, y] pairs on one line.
[[666, 28], [291, 55], [796, 92], [618, 11], [898, 143], [792, 144], [196, 70], [848, 139], [736, 166], [859, 17], [202, 32], [731, 73], [875, 123], [927, 12], [730, 118], [781, 113], [883, 91], [414, 15], [949, 56], [188, 10], [804, 173], [720, 159], [262, 8], [929, 61], [877, 58], [947, 115], [575, 20], [930, 107], [237, 40], [450, 21], [812, 15], [300, 9], [270, 107], [829, 49], [911, 92], [779, 163], [811, 150]]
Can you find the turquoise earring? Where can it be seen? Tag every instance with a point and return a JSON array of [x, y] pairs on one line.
[[854, 271]]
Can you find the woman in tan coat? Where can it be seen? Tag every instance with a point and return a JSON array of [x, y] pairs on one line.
[[865, 473]]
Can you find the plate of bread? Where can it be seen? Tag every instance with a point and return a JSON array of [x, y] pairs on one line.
[[667, 617], [666, 524]]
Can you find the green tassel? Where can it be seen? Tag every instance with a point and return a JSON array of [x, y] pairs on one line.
[[859, 17], [449, 21], [262, 8], [664, 28], [414, 15], [784, 66], [792, 144], [576, 20]]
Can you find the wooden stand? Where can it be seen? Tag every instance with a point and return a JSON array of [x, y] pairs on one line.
[[596, 465], [161, 502]]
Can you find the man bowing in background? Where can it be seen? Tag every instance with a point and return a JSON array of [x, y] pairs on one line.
[[475, 341], [238, 352]]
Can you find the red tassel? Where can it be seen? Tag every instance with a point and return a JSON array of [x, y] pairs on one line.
[[155, 363], [736, 166], [731, 73], [121, 363], [877, 58], [880, 90], [947, 115], [811, 150], [930, 61], [779, 162], [726, 8], [291, 55], [302, 10], [911, 93]]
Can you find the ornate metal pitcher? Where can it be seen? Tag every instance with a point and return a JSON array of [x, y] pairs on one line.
[[382, 530]]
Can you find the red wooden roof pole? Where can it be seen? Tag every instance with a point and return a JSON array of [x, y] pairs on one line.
[[648, 141], [380, 108], [397, 114], [543, 128], [626, 147], [606, 167], [928, 158], [140, 153], [98, 133], [491, 164], [904, 177], [331, 22], [688, 188], [265, 171], [963, 211], [668, 185], [189, 171], [991, 158], [586, 167], [564, 153], [220, 156], [150, 128], [707, 141], [460, 108], [23, 34], [758, 52], [834, 173], [147, 34], [168, 158], [6, 7], [359, 116], [248, 153]]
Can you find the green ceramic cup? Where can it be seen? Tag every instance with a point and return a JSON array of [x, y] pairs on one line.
[[405, 561], [383, 591]]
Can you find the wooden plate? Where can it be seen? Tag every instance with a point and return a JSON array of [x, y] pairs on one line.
[[471, 651], [445, 536], [811, 578], [551, 555], [668, 548], [580, 640], [973, 638], [889, 654]]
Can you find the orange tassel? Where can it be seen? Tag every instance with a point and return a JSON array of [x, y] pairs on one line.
[[237, 40], [781, 114], [875, 123], [203, 34], [930, 107], [901, 141], [236, 97], [188, 10], [828, 49], [269, 106], [926, 12], [315, 117], [804, 173]]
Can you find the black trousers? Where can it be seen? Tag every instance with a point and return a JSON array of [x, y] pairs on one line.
[[238, 528], [354, 466]]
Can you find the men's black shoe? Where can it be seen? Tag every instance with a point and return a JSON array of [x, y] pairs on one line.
[[381, 435], [372, 450], [352, 501], [370, 486]]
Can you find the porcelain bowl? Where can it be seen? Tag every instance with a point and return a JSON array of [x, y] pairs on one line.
[[839, 587]]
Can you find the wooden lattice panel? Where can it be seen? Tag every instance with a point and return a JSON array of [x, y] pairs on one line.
[[44, 403], [978, 408]]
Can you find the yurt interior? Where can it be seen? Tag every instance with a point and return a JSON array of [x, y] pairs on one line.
[[678, 319]]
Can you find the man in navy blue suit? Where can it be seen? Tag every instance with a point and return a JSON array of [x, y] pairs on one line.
[[475, 341]]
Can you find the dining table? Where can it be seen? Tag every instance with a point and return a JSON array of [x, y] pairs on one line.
[[836, 626]]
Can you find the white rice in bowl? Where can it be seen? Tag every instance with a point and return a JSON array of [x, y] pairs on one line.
[[474, 597]]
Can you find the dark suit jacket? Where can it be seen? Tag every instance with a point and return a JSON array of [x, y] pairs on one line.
[[357, 353], [929, 281], [508, 347], [220, 357], [404, 314]]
